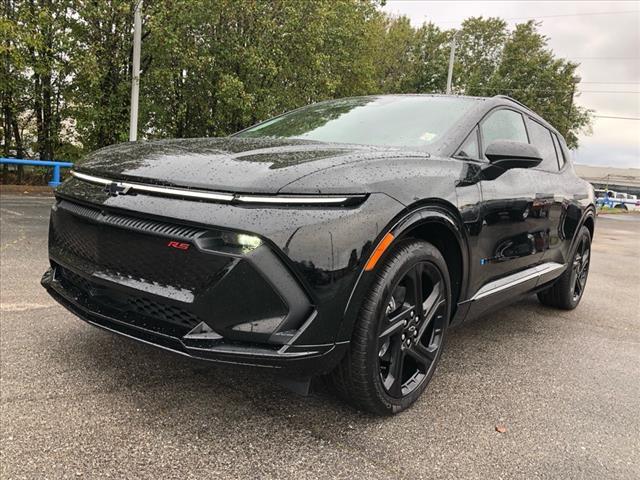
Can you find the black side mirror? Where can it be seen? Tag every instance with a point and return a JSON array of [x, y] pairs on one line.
[[507, 154]]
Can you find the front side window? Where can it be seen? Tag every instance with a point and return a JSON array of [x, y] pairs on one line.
[[413, 120], [503, 125], [541, 139]]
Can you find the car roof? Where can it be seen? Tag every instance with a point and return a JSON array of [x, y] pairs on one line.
[[490, 103]]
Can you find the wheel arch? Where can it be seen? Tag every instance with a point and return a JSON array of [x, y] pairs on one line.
[[439, 223], [588, 220], [435, 221]]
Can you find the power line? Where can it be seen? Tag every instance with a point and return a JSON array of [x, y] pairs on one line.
[[612, 83], [636, 59], [588, 14], [616, 117], [609, 91]]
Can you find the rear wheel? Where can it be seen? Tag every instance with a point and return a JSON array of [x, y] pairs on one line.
[[567, 291], [400, 332]]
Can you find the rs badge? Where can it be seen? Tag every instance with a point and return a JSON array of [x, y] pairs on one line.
[[178, 245]]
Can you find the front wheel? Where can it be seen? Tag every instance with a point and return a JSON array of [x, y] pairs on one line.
[[399, 335], [567, 291]]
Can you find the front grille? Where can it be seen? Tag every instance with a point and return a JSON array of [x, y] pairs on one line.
[[123, 267], [132, 248], [125, 221]]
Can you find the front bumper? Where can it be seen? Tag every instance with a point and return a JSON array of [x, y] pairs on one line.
[[289, 303], [206, 298], [304, 362]]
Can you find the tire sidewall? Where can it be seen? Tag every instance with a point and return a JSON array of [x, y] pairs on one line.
[[584, 233], [406, 256]]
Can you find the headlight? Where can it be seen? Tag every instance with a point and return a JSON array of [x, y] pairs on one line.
[[230, 242], [242, 240]]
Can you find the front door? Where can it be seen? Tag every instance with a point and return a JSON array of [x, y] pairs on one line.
[[514, 230]]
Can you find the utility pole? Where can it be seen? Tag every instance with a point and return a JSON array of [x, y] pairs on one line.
[[452, 57], [574, 81], [135, 72]]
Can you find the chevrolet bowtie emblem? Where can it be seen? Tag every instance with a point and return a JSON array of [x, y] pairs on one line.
[[114, 189]]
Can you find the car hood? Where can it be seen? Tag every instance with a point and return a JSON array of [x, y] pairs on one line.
[[231, 164]]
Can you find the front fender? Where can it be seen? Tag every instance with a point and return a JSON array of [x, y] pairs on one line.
[[401, 227]]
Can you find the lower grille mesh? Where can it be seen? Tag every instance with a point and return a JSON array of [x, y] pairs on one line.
[[168, 313], [139, 306]]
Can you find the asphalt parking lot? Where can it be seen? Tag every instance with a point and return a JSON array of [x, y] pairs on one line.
[[79, 402]]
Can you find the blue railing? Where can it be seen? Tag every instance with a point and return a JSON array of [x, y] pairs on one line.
[[55, 179]]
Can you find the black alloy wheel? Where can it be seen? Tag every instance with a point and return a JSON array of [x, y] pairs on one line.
[[411, 330], [566, 292], [400, 333], [580, 268]]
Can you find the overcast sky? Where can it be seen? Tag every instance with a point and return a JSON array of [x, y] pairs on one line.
[[604, 37]]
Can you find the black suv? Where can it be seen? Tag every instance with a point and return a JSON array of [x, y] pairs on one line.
[[342, 238]]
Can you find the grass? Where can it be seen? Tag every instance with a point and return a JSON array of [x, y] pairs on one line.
[[615, 211]]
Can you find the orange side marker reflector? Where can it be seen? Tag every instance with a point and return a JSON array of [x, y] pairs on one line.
[[377, 253]]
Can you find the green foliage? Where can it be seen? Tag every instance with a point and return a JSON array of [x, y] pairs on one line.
[[101, 59], [530, 73], [212, 67]]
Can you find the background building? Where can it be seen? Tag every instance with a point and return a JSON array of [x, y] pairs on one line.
[[625, 180]]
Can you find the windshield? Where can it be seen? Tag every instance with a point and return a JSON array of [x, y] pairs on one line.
[[413, 121]]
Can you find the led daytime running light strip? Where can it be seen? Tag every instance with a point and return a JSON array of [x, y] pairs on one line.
[[223, 197]]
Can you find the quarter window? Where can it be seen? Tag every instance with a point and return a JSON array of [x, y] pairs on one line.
[[470, 148], [504, 125], [542, 140]]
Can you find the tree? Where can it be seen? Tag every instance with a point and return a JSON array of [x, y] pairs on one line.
[[219, 66], [101, 59], [13, 84], [212, 67], [529, 72], [432, 57], [480, 46]]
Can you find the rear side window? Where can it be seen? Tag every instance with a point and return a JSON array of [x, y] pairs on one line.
[[559, 152], [503, 125], [542, 140]]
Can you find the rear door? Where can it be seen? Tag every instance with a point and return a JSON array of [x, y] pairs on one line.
[[554, 194]]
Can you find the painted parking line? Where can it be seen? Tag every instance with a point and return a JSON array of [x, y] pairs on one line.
[[12, 212], [23, 307]]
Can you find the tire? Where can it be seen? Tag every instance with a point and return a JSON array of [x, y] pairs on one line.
[[401, 327], [566, 292]]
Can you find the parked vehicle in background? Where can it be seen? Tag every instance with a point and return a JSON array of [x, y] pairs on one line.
[[613, 199], [343, 238]]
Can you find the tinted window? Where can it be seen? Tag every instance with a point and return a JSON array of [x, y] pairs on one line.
[[393, 120], [470, 148], [559, 152], [541, 139], [503, 125]]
